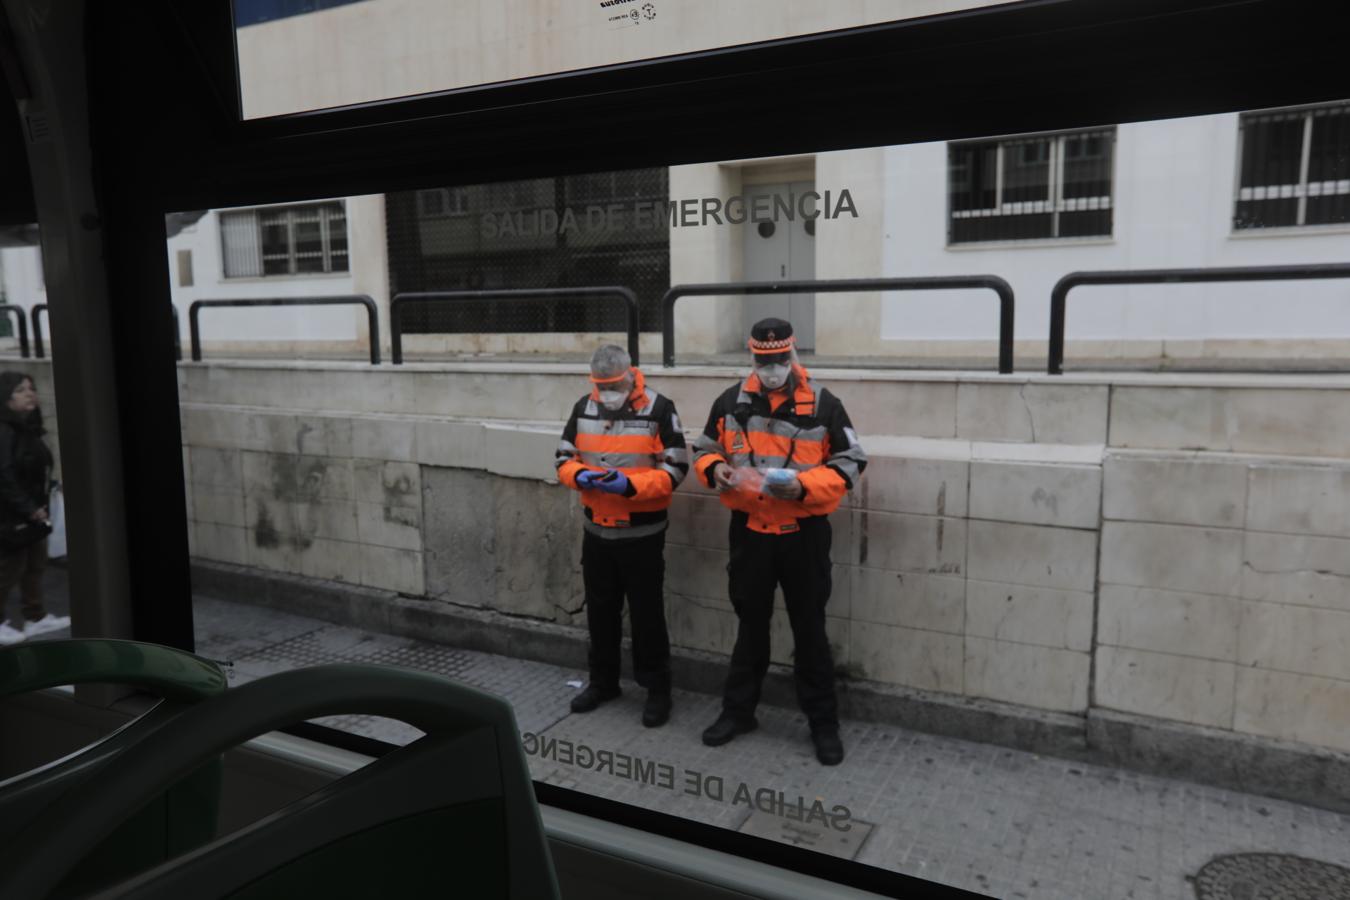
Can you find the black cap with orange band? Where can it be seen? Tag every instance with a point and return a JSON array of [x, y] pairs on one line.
[[771, 338]]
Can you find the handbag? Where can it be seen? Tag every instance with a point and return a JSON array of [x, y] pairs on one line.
[[25, 534]]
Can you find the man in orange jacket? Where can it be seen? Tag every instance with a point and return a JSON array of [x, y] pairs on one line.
[[782, 453], [623, 450]]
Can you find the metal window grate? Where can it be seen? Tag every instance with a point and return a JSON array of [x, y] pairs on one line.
[[1031, 188], [1293, 168], [437, 241], [286, 240]]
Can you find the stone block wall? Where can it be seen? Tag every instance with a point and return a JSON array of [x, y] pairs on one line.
[[1225, 593], [1168, 547]]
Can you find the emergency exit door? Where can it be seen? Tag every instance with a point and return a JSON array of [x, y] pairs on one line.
[[782, 251]]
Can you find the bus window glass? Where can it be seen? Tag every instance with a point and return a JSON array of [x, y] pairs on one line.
[[821, 523]]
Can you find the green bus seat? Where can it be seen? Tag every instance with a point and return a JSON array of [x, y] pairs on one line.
[[450, 814], [181, 817]]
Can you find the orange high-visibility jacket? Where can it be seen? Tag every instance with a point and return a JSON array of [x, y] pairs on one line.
[[642, 440], [805, 428]]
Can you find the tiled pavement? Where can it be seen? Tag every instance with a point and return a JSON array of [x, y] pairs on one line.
[[1001, 822]]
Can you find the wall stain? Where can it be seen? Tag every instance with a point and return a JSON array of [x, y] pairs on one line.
[[397, 508], [264, 531], [297, 489], [1051, 501]]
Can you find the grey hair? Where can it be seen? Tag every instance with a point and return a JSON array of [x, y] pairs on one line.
[[610, 361]]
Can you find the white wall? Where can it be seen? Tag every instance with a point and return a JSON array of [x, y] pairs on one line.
[[268, 324], [1174, 205], [21, 276]]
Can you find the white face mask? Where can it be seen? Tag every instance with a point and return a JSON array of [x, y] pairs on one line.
[[612, 400], [773, 377]]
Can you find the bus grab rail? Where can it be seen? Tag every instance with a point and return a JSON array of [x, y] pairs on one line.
[[400, 300], [372, 314], [1060, 295], [837, 285]]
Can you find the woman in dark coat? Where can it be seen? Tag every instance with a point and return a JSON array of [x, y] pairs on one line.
[[25, 479]]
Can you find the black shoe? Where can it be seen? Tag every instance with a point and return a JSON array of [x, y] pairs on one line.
[[657, 710], [727, 727], [829, 749], [593, 696]]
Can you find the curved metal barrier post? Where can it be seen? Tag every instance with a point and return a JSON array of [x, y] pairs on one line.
[[396, 307], [1059, 296], [20, 317], [372, 313], [839, 285], [35, 313]]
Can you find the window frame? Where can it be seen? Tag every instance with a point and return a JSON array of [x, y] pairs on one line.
[[1054, 203], [1299, 191], [324, 210], [966, 75]]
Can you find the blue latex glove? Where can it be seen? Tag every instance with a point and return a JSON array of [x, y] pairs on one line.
[[613, 482], [586, 479]]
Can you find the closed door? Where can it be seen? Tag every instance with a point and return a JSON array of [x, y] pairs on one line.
[[782, 250]]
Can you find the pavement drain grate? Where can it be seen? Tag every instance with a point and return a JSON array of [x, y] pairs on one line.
[[791, 826], [1271, 876]]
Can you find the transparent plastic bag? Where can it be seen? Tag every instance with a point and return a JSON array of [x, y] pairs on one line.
[[56, 513]]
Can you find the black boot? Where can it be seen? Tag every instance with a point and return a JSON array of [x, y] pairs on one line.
[[657, 709], [592, 696], [829, 749], [727, 727]]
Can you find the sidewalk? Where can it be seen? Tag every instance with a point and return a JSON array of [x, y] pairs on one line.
[[981, 817]]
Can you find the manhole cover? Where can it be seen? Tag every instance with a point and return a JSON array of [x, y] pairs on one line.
[[1271, 876]]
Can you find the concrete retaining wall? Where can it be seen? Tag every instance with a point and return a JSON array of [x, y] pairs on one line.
[[1170, 548]]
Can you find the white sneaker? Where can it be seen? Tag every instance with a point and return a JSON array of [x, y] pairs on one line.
[[10, 635], [45, 624]]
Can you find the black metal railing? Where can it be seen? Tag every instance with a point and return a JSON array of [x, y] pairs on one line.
[[40, 349], [372, 313], [400, 301], [22, 328], [1059, 296], [838, 285]]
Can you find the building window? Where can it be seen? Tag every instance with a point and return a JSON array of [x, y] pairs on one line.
[[439, 203], [1293, 168], [1030, 188], [284, 240]]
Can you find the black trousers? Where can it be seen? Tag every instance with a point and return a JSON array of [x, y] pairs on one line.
[[800, 563], [636, 568]]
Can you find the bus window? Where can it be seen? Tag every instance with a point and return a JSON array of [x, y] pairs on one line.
[[787, 553]]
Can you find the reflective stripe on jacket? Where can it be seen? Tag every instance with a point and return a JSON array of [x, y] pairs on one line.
[[808, 430], [644, 441]]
